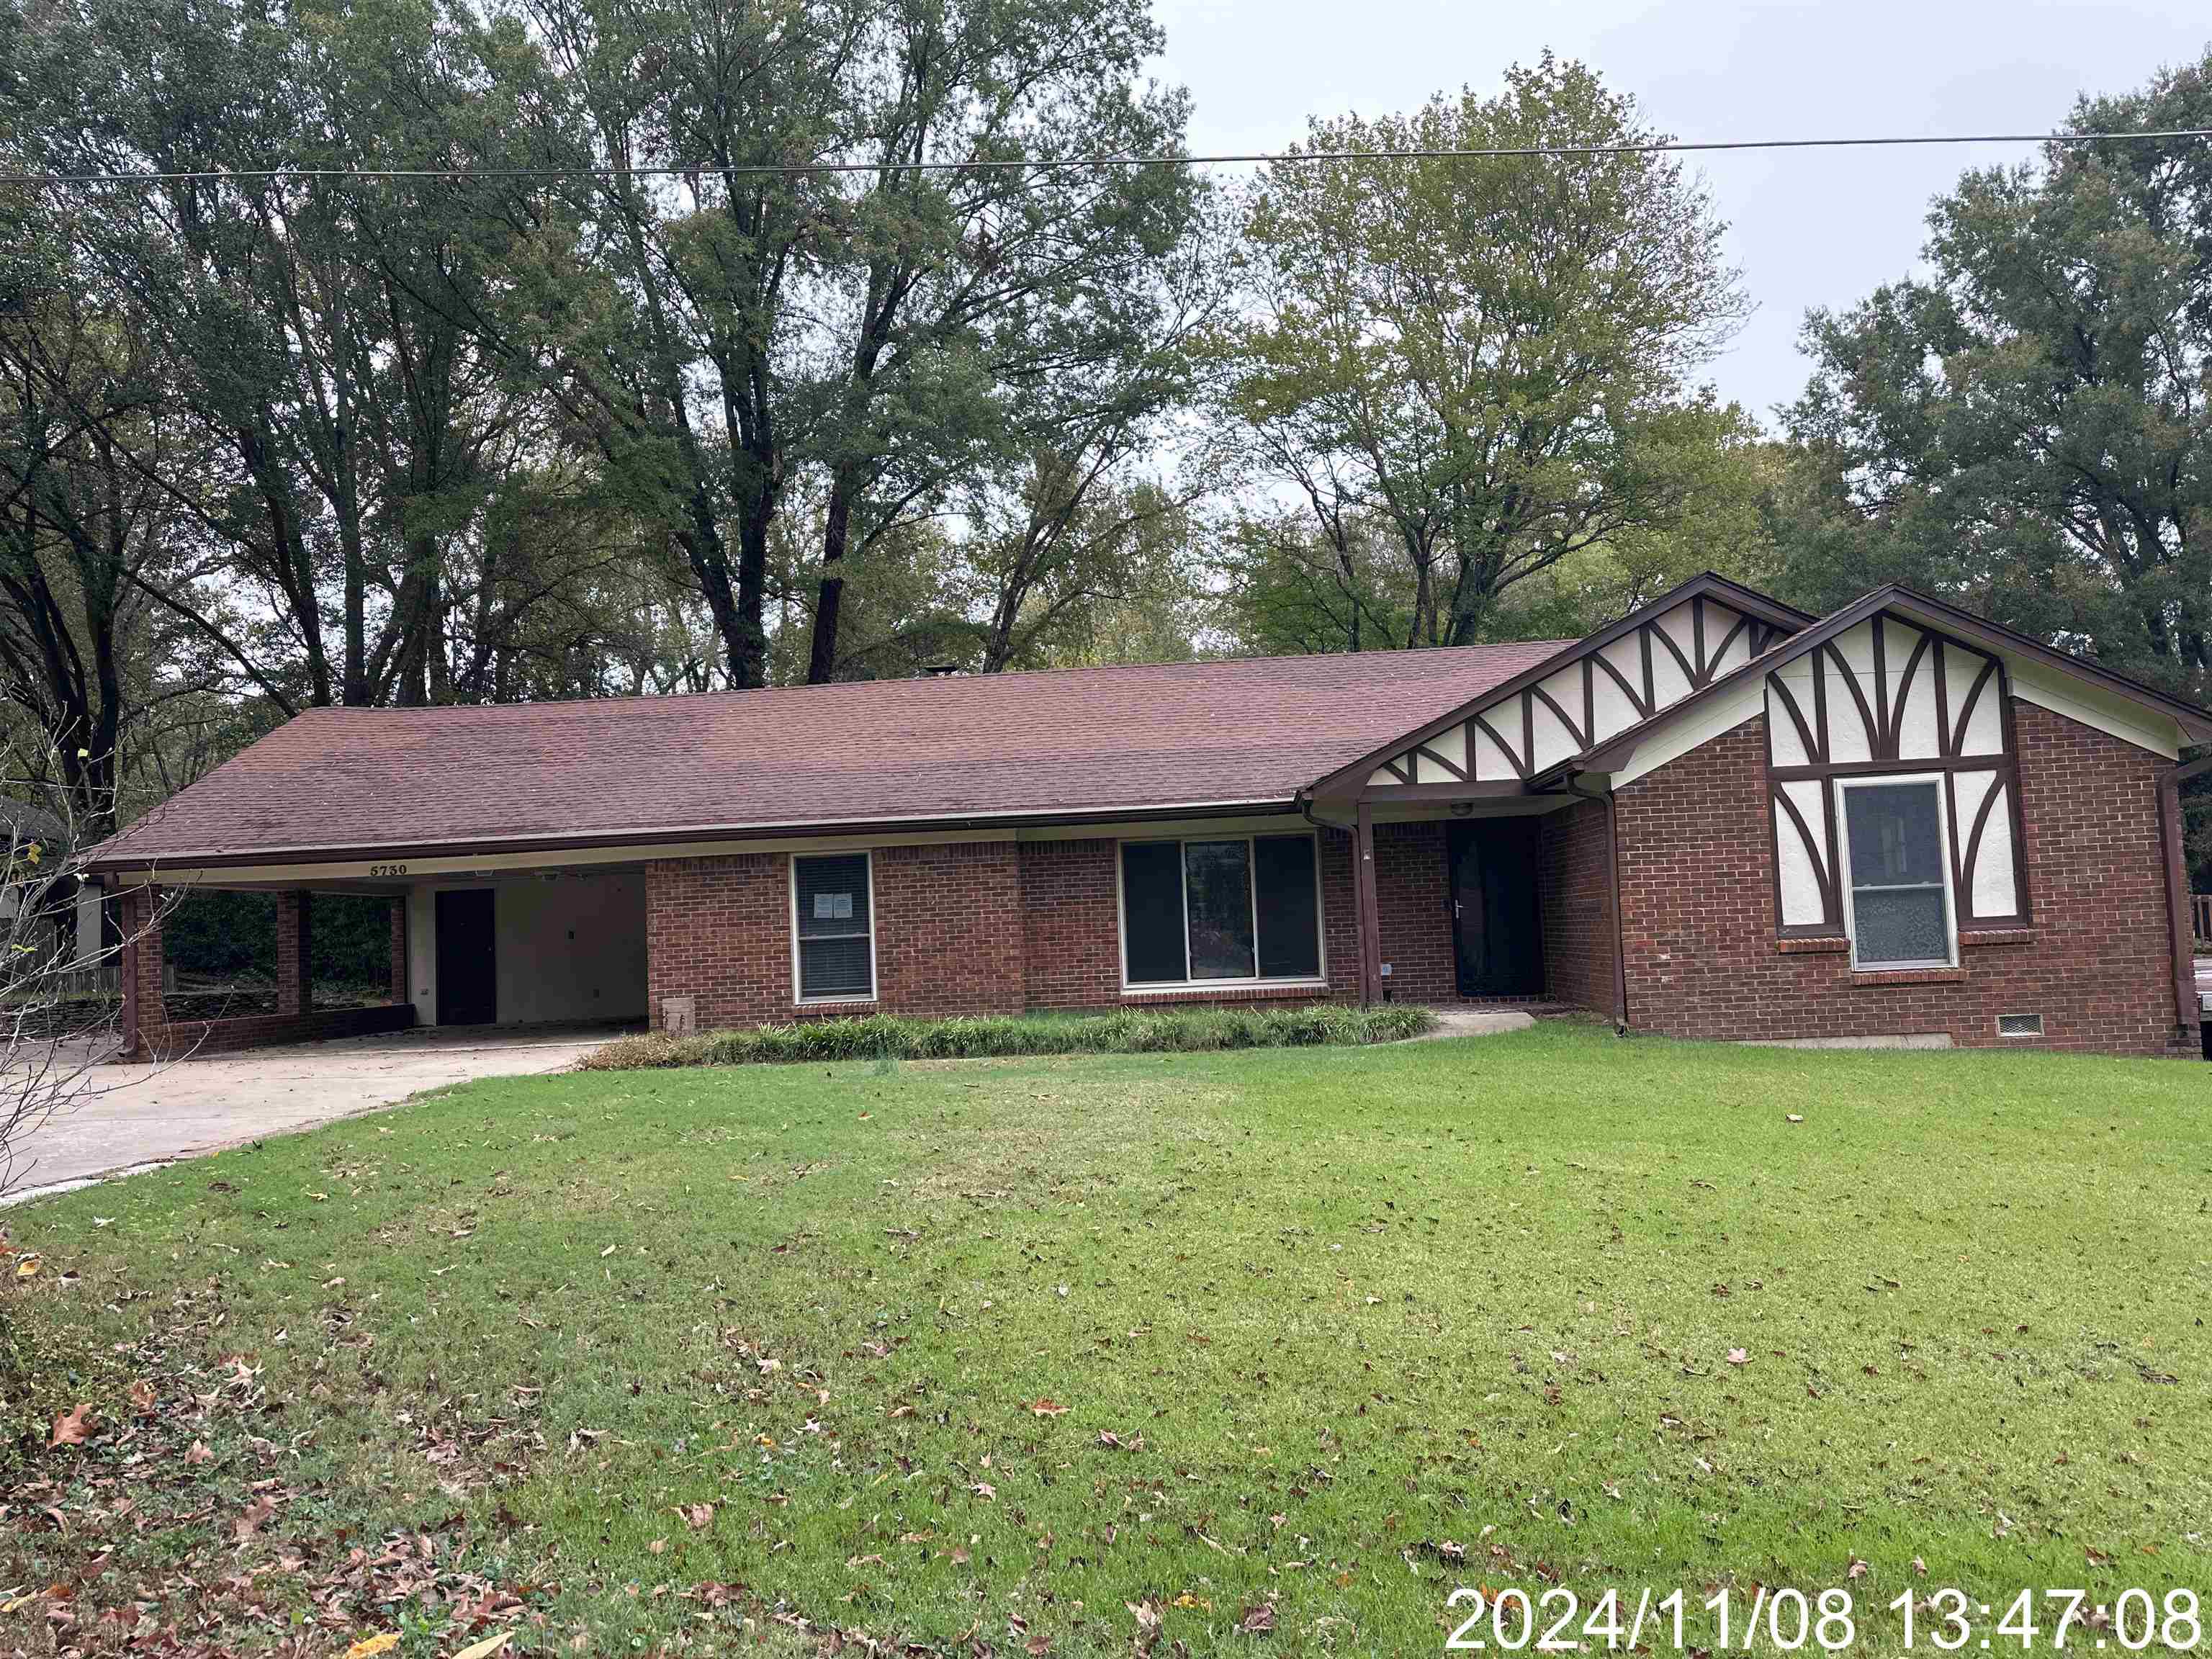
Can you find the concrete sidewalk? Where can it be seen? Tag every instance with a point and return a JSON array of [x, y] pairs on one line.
[[138, 1114]]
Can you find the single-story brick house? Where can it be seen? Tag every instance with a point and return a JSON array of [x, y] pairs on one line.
[[1719, 818]]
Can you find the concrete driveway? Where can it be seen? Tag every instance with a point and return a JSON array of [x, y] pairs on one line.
[[150, 1114]]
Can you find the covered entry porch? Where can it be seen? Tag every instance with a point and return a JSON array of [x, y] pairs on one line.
[[1470, 892]]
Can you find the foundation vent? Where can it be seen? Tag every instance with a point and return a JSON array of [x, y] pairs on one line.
[[2019, 1025]]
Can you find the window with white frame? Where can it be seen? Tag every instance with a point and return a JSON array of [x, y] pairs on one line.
[[1898, 906], [1219, 909], [833, 921]]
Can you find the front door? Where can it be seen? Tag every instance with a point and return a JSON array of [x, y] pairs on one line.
[[467, 962], [1497, 928]]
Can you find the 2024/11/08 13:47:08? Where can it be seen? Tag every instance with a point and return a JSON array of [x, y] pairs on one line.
[[1511, 1620]]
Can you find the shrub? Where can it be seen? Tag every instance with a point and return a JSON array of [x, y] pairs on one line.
[[970, 1037]]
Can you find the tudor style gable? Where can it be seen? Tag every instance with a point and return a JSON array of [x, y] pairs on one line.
[[1889, 697], [1597, 688]]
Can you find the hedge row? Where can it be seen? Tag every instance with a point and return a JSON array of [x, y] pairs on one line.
[[1128, 1031]]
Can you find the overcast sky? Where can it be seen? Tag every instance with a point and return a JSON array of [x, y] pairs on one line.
[[1817, 228]]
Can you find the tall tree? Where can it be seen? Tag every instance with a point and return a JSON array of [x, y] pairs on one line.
[[1492, 357], [2027, 427]]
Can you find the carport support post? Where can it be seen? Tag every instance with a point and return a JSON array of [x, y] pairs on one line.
[[138, 914], [1362, 899], [399, 949], [295, 993]]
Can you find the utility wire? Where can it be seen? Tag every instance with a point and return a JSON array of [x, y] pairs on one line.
[[1065, 164]]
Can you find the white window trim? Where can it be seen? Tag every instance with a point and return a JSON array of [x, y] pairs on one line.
[[875, 922], [1154, 987], [1839, 806]]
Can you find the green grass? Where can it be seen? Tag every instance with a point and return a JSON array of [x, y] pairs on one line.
[[1128, 1031], [1348, 1313]]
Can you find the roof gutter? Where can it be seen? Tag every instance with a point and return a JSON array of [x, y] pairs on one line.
[[125, 861]]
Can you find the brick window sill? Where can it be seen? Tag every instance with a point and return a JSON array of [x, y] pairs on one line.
[[1911, 977], [1970, 940], [1305, 991], [1798, 946]]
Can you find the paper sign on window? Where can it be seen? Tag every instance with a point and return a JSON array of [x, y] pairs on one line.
[[833, 907]]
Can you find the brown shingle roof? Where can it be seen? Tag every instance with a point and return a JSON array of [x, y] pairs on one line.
[[1076, 742]]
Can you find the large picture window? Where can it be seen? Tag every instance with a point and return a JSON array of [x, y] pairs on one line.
[[1899, 910], [1220, 910], [833, 928]]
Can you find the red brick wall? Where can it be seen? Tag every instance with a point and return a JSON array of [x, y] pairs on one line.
[[203, 1039], [1071, 925], [971, 928], [1575, 882], [399, 949], [295, 990], [1696, 887], [149, 1033], [719, 930], [948, 928], [1412, 898]]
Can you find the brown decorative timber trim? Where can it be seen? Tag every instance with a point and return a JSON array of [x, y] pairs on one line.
[[1427, 753], [1370, 930], [1503, 747], [1858, 696], [1957, 741], [1905, 691], [1830, 897], [1636, 699], [1581, 737], [1776, 687], [1469, 789]]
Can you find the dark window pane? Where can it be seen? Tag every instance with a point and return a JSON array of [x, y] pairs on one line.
[[833, 895], [833, 967], [1289, 935], [1151, 910], [1900, 924], [1219, 877], [1895, 842]]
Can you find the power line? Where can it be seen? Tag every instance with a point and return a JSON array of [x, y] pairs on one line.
[[1276, 158]]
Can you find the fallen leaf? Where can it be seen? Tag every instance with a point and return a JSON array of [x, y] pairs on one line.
[[1738, 1356], [1047, 1406], [697, 1516], [143, 1398], [1796, 1117], [70, 1428], [250, 1522], [1257, 1621], [198, 1452], [383, 1642], [27, 1266], [486, 1648]]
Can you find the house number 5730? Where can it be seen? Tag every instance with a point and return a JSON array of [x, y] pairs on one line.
[[387, 869]]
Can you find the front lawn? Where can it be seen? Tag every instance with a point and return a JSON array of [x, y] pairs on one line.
[[991, 1353]]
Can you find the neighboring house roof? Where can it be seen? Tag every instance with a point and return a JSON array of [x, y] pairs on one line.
[[1075, 743], [2196, 723]]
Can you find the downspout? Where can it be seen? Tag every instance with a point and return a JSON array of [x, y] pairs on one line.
[[1612, 879], [2180, 924]]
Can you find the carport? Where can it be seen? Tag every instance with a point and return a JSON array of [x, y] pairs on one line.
[[495, 945]]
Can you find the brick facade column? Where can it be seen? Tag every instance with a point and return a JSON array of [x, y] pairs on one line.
[[295, 989], [145, 1017], [399, 949]]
